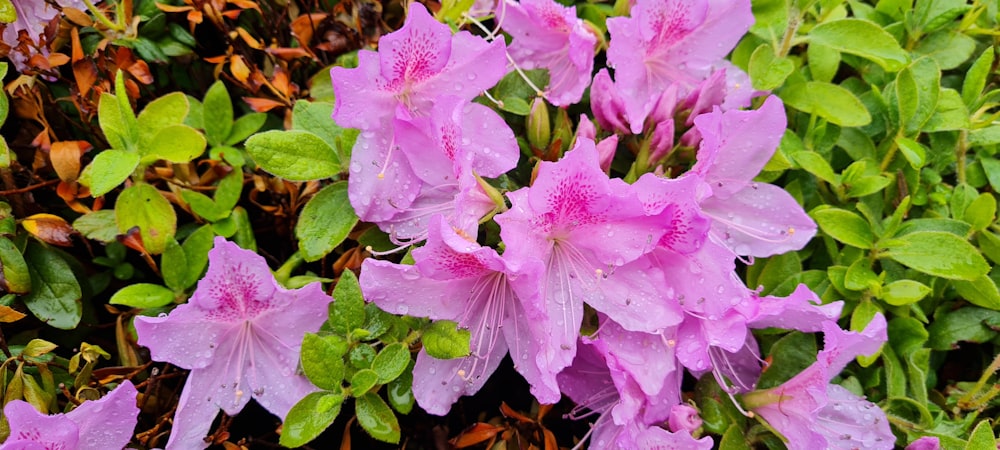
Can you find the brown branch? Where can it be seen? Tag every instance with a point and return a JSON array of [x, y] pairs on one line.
[[29, 188]]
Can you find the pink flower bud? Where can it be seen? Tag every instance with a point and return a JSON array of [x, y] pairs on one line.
[[683, 417], [606, 151], [925, 443]]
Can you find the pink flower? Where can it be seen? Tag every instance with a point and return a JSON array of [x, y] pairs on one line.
[[32, 18], [665, 43], [750, 218], [455, 278], [550, 36], [809, 412], [103, 424], [240, 335], [414, 68]]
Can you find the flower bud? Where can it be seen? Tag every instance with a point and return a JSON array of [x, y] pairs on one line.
[[562, 133], [539, 126], [683, 417], [606, 151], [925, 443]]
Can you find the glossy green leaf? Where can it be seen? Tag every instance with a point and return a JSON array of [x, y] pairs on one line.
[[143, 295], [245, 126], [975, 78], [325, 221], [904, 292], [174, 266], [347, 312], [361, 357], [829, 101], [217, 110], [913, 151], [789, 355], [196, 248], [982, 437], [844, 226], [948, 48], [376, 418], [444, 340], [815, 164], [309, 418], [937, 253], [165, 111], [863, 38], [980, 292], [16, 277], [143, 206], [294, 155], [981, 212], [55, 293], [768, 71], [917, 90], [108, 170], [175, 143], [950, 114], [97, 225], [363, 380], [391, 361], [204, 206], [323, 360], [400, 392], [967, 324]]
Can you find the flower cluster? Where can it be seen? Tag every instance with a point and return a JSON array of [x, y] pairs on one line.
[[650, 261], [27, 35]]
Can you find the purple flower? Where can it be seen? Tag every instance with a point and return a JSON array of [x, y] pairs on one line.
[[925, 443], [414, 68], [455, 278], [102, 424], [240, 335], [550, 36], [32, 18], [589, 231], [665, 43], [684, 417], [750, 218], [809, 412]]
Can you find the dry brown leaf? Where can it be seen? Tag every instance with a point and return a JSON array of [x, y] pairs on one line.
[[65, 158], [49, 228]]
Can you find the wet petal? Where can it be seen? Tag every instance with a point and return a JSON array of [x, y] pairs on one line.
[[107, 423]]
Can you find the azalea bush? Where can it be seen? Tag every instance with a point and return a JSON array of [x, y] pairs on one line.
[[499, 224]]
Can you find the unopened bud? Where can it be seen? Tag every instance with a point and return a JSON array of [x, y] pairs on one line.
[[562, 132], [606, 152], [683, 417], [491, 192], [539, 125]]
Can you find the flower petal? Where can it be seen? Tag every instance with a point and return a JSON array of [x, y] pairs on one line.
[[438, 383], [185, 338], [196, 410], [761, 220], [382, 282], [107, 423], [361, 101], [381, 183], [29, 425], [801, 310]]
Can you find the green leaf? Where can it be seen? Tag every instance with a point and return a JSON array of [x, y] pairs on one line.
[[98, 225], [309, 418], [38, 347], [829, 101], [860, 318], [294, 155], [913, 151], [391, 361], [363, 380], [904, 292], [108, 170], [174, 266], [937, 253], [165, 111], [982, 437], [203, 206], [515, 105], [950, 113], [768, 71], [196, 248], [175, 143], [400, 392], [55, 293], [734, 439], [143, 295], [917, 90], [8, 14], [980, 292], [347, 312], [823, 62], [314, 117], [981, 212], [815, 164], [361, 357], [245, 126], [967, 324], [986, 136], [789, 355], [975, 78], [444, 340], [130, 126], [860, 277], [863, 38], [228, 192], [376, 418], [844, 226], [325, 221], [948, 48], [989, 244], [143, 206], [218, 113], [16, 276], [323, 360]]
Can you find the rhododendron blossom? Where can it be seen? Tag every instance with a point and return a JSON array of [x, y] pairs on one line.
[[32, 18], [664, 43], [240, 335], [105, 424], [548, 35], [457, 279]]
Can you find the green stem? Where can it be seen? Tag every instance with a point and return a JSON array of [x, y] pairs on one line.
[[960, 156], [793, 26], [101, 17], [889, 154]]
